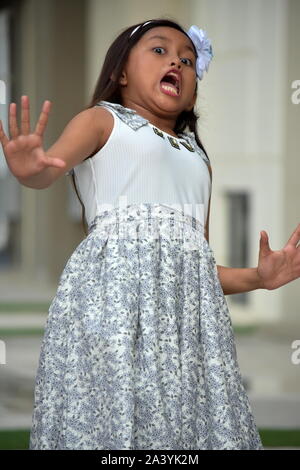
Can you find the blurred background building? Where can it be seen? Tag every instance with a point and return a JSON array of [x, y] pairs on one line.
[[249, 124]]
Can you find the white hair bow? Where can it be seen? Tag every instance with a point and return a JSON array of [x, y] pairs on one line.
[[203, 47]]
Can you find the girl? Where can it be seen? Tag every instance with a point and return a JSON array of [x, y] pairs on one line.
[[138, 350]]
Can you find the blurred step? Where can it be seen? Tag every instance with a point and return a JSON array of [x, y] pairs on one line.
[[278, 412], [22, 320]]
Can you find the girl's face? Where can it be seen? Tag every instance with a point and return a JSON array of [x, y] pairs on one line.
[[148, 62]]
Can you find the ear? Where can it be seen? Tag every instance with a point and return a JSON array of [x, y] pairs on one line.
[[123, 79]]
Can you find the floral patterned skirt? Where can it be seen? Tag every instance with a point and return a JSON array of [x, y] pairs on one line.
[[138, 350]]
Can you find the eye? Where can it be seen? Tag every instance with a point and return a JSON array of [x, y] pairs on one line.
[[190, 61], [157, 48]]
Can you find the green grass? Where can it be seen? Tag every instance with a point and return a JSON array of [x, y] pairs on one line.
[[245, 330], [28, 307], [14, 439], [280, 437], [9, 332], [19, 439]]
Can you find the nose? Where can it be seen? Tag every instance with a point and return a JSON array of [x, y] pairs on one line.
[[176, 62]]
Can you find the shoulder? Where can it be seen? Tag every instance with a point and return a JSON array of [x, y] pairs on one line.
[[105, 123], [99, 116], [101, 120], [95, 119]]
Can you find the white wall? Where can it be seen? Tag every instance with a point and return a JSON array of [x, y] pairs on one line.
[[242, 106]]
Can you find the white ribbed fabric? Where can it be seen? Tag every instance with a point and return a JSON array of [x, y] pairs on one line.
[[139, 166]]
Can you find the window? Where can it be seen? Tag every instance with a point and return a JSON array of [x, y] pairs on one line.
[[238, 236]]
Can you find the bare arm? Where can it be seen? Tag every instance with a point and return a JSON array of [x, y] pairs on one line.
[[81, 137], [24, 153], [236, 280], [274, 269]]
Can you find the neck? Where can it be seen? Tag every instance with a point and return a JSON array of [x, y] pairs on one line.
[[166, 124]]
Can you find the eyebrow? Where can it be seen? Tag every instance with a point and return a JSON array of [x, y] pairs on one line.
[[167, 39]]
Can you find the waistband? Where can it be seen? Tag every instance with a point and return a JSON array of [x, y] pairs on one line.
[[143, 212]]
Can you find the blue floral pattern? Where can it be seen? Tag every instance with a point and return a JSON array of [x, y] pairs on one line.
[[138, 350]]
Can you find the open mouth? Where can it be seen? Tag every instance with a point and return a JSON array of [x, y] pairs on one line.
[[170, 84]]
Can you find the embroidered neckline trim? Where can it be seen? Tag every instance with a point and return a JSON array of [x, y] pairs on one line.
[[122, 108], [186, 135]]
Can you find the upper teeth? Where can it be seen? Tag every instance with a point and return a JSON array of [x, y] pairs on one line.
[[173, 74]]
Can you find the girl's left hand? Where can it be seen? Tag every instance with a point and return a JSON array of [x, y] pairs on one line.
[[276, 268]]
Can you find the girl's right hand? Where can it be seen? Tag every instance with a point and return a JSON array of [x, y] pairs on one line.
[[24, 151]]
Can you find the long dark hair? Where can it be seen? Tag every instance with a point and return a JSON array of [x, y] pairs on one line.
[[109, 90]]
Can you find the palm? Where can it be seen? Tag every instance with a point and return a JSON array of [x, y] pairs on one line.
[[29, 151], [24, 151], [276, 268]]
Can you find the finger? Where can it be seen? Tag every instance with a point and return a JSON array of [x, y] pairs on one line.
[[25, 119], [13, 127], [43, 119], [57, 162], [295, 237], [264, 242], [3, 139], [263, 236]]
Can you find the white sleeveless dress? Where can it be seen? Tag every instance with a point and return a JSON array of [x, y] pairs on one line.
[[138, 350]]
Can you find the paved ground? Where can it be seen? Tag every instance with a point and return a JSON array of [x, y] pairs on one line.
[[272, 380]]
